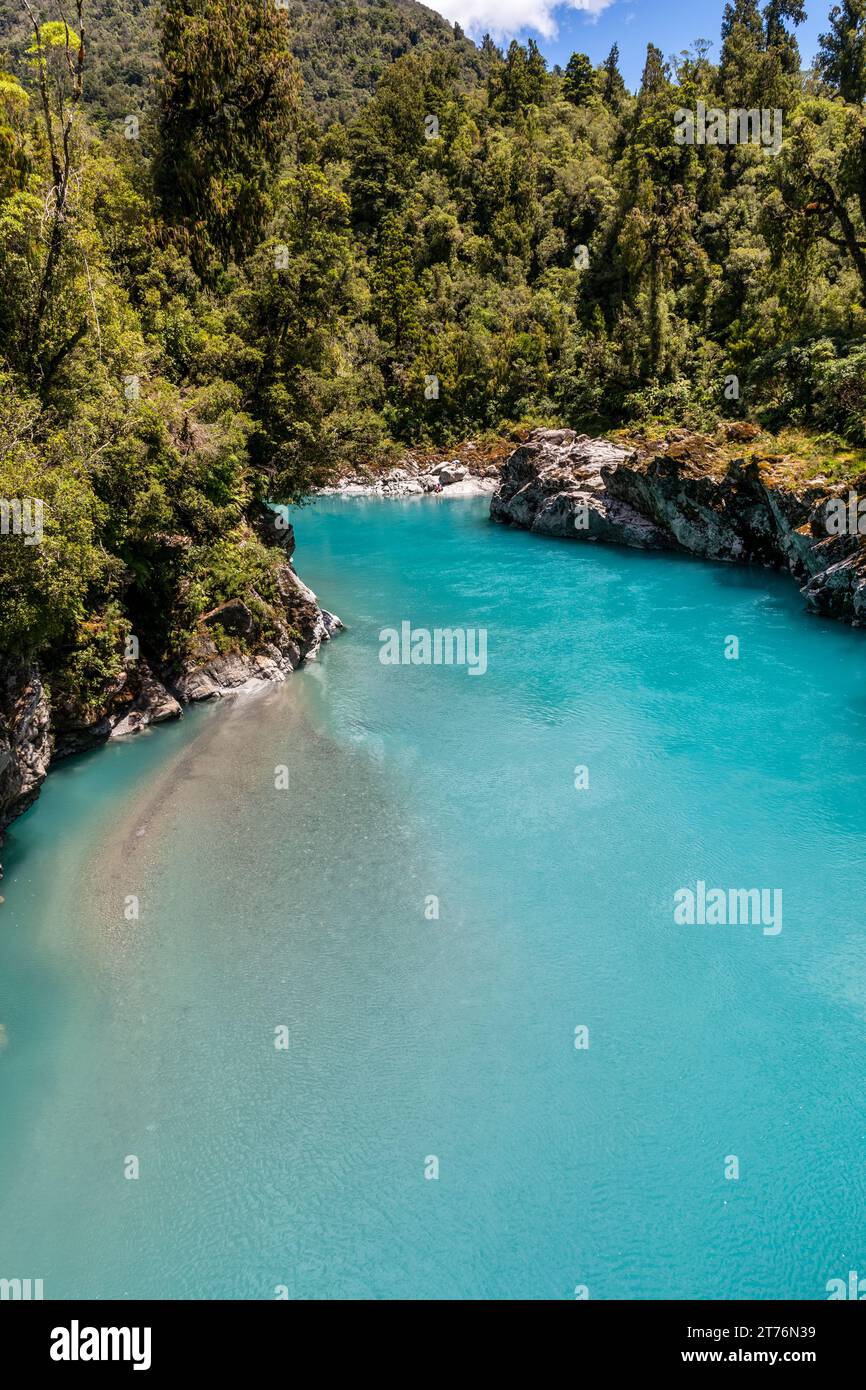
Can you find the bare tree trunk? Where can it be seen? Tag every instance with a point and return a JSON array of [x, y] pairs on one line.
[[61, 170]]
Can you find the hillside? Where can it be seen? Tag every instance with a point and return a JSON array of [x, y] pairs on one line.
[[343, 47], [122, 39]]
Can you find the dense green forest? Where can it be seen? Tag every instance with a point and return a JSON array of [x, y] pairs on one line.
[[342, 47], [216, 290]]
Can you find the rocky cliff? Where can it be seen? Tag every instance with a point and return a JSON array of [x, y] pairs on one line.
[[236, 647], [25, 737], [685, 493]]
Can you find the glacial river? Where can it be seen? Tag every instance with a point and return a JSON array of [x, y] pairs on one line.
[[405, 1010]]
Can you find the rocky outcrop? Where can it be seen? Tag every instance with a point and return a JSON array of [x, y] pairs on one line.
[[684, 494], [235, 651], [553, 484], [25, 738], [151, 705], [131, 702], [417, 478]]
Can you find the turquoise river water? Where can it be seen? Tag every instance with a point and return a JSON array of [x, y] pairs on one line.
[[422, 1032]]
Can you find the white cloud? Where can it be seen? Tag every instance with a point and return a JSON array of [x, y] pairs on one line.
[[504, 17]]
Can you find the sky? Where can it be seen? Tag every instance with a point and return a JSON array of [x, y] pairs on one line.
[[591, 26]]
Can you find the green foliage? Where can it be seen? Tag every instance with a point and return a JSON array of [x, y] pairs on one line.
[[818, 383], [54, 34], [520, 81], [228, 99], [84, 669], [613, 90], [842, 57], [121, 53], [578, 85], [44, 585], [342, 46], [345, 47], [240, 306]]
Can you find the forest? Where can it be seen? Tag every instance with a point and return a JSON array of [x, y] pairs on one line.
[[245, 248]]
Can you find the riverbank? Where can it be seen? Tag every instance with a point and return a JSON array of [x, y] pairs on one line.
[[470, 470], [688, 493], [237, 648], [684, 492]]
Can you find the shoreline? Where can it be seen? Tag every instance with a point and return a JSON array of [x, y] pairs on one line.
[[676, 495], [471, 471], [36, 733], [681, 494], [398, 489]]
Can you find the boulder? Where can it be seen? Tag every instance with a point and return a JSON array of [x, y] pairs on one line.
[[741, 431], [449, 473], [152, 705], [233, 617]]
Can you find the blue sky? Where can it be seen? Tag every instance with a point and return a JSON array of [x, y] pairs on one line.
[[592, 26]]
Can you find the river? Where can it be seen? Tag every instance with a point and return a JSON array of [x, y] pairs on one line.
[[405, 1010]]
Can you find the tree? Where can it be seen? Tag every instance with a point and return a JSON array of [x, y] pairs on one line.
[[578, 84], [520, 81], [302, 384], [396, 292], [742, 15], [16, 159], [820, 184], [655, 73], [842, 55], [655, 236], [60, 92], [760, 59], [386, 140], [228, 100], [778, 36], [613, 90], [742, 71]]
